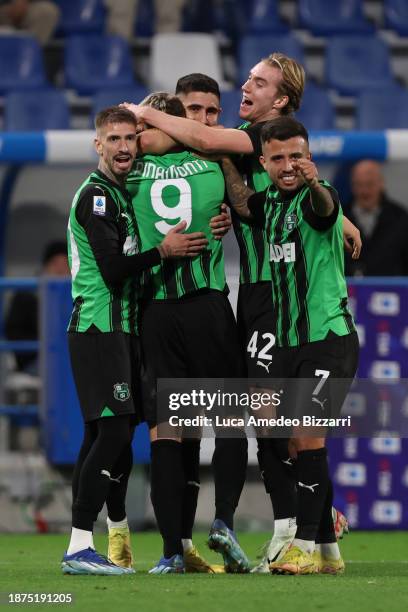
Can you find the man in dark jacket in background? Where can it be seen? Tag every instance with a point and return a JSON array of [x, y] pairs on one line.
[[383, 225]]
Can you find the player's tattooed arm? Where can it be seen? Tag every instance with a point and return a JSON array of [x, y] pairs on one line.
[[352, 238], [238, 192], [321, 198], [322, 201]]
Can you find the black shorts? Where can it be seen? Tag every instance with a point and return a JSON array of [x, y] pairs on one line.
[[324, 371], [256, 327], [107, 370], [193, 337]]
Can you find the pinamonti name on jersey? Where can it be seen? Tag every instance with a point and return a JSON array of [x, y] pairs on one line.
[[252, 242], [307, 268], [168, 189], [108, 309]]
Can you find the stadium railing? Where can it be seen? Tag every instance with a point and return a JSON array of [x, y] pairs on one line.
[[21, 346], [60, 146]]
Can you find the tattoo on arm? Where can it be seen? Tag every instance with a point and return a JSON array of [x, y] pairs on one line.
[[321, 200], [238, 192]]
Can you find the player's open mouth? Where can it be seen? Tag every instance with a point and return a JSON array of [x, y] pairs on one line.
[[245, 102], [288, 179], [123, 160]]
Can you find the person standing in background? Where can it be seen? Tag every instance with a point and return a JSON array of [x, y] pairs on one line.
[[122, 15], [23, 312], [383, 224], [37, 17]]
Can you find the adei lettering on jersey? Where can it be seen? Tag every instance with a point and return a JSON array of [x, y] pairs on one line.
[[286, 251]]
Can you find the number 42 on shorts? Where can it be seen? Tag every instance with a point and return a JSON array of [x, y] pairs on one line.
[[265, 346]]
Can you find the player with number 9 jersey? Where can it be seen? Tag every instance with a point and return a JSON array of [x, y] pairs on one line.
[[188, 330], [163, 190]]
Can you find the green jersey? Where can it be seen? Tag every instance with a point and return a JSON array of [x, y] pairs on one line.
[[307, 266], [101, 220], [168, 189], [252, 241]]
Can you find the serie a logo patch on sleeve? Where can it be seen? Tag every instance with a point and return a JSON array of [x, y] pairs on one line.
[[99, 205]]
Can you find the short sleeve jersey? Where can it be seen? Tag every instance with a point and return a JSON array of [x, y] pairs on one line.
[[101, 212], [306, 256], [168, 189], [254, 261]]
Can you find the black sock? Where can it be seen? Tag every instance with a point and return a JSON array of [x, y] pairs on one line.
[[326, 533], [90, 434], [229, 463], [167, 485], [191, 463], [115, 502], [312, 473], [278, 474], [95, 474]]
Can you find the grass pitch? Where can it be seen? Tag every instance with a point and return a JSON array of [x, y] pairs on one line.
[[376, 579]]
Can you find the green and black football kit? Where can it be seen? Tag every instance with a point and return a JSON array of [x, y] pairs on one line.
[[188, 328], [102, 331], [255, 316], [168, 189], [104, 347], [315, 334]]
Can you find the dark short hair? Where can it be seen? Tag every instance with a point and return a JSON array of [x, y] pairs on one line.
[[165, 102], [283, 128], [197, 82], [57, 247], [114, 114]]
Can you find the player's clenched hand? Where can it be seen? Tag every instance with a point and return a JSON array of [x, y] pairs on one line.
[[177, 244], [221, 224], [308, 170]]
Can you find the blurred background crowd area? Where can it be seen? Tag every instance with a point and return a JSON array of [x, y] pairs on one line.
[[62, 60]]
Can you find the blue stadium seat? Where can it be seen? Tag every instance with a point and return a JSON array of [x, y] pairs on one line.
[[245, 6], [265, 18], [233, 17], [316, 111], [354, 64], [230, 101], [116, 95], [253, 48], [144, 23], [95, 62], [396, 15], [30, 111], [21, 63], [201, 16], [324, 17], [81, 16], [381, 110]]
